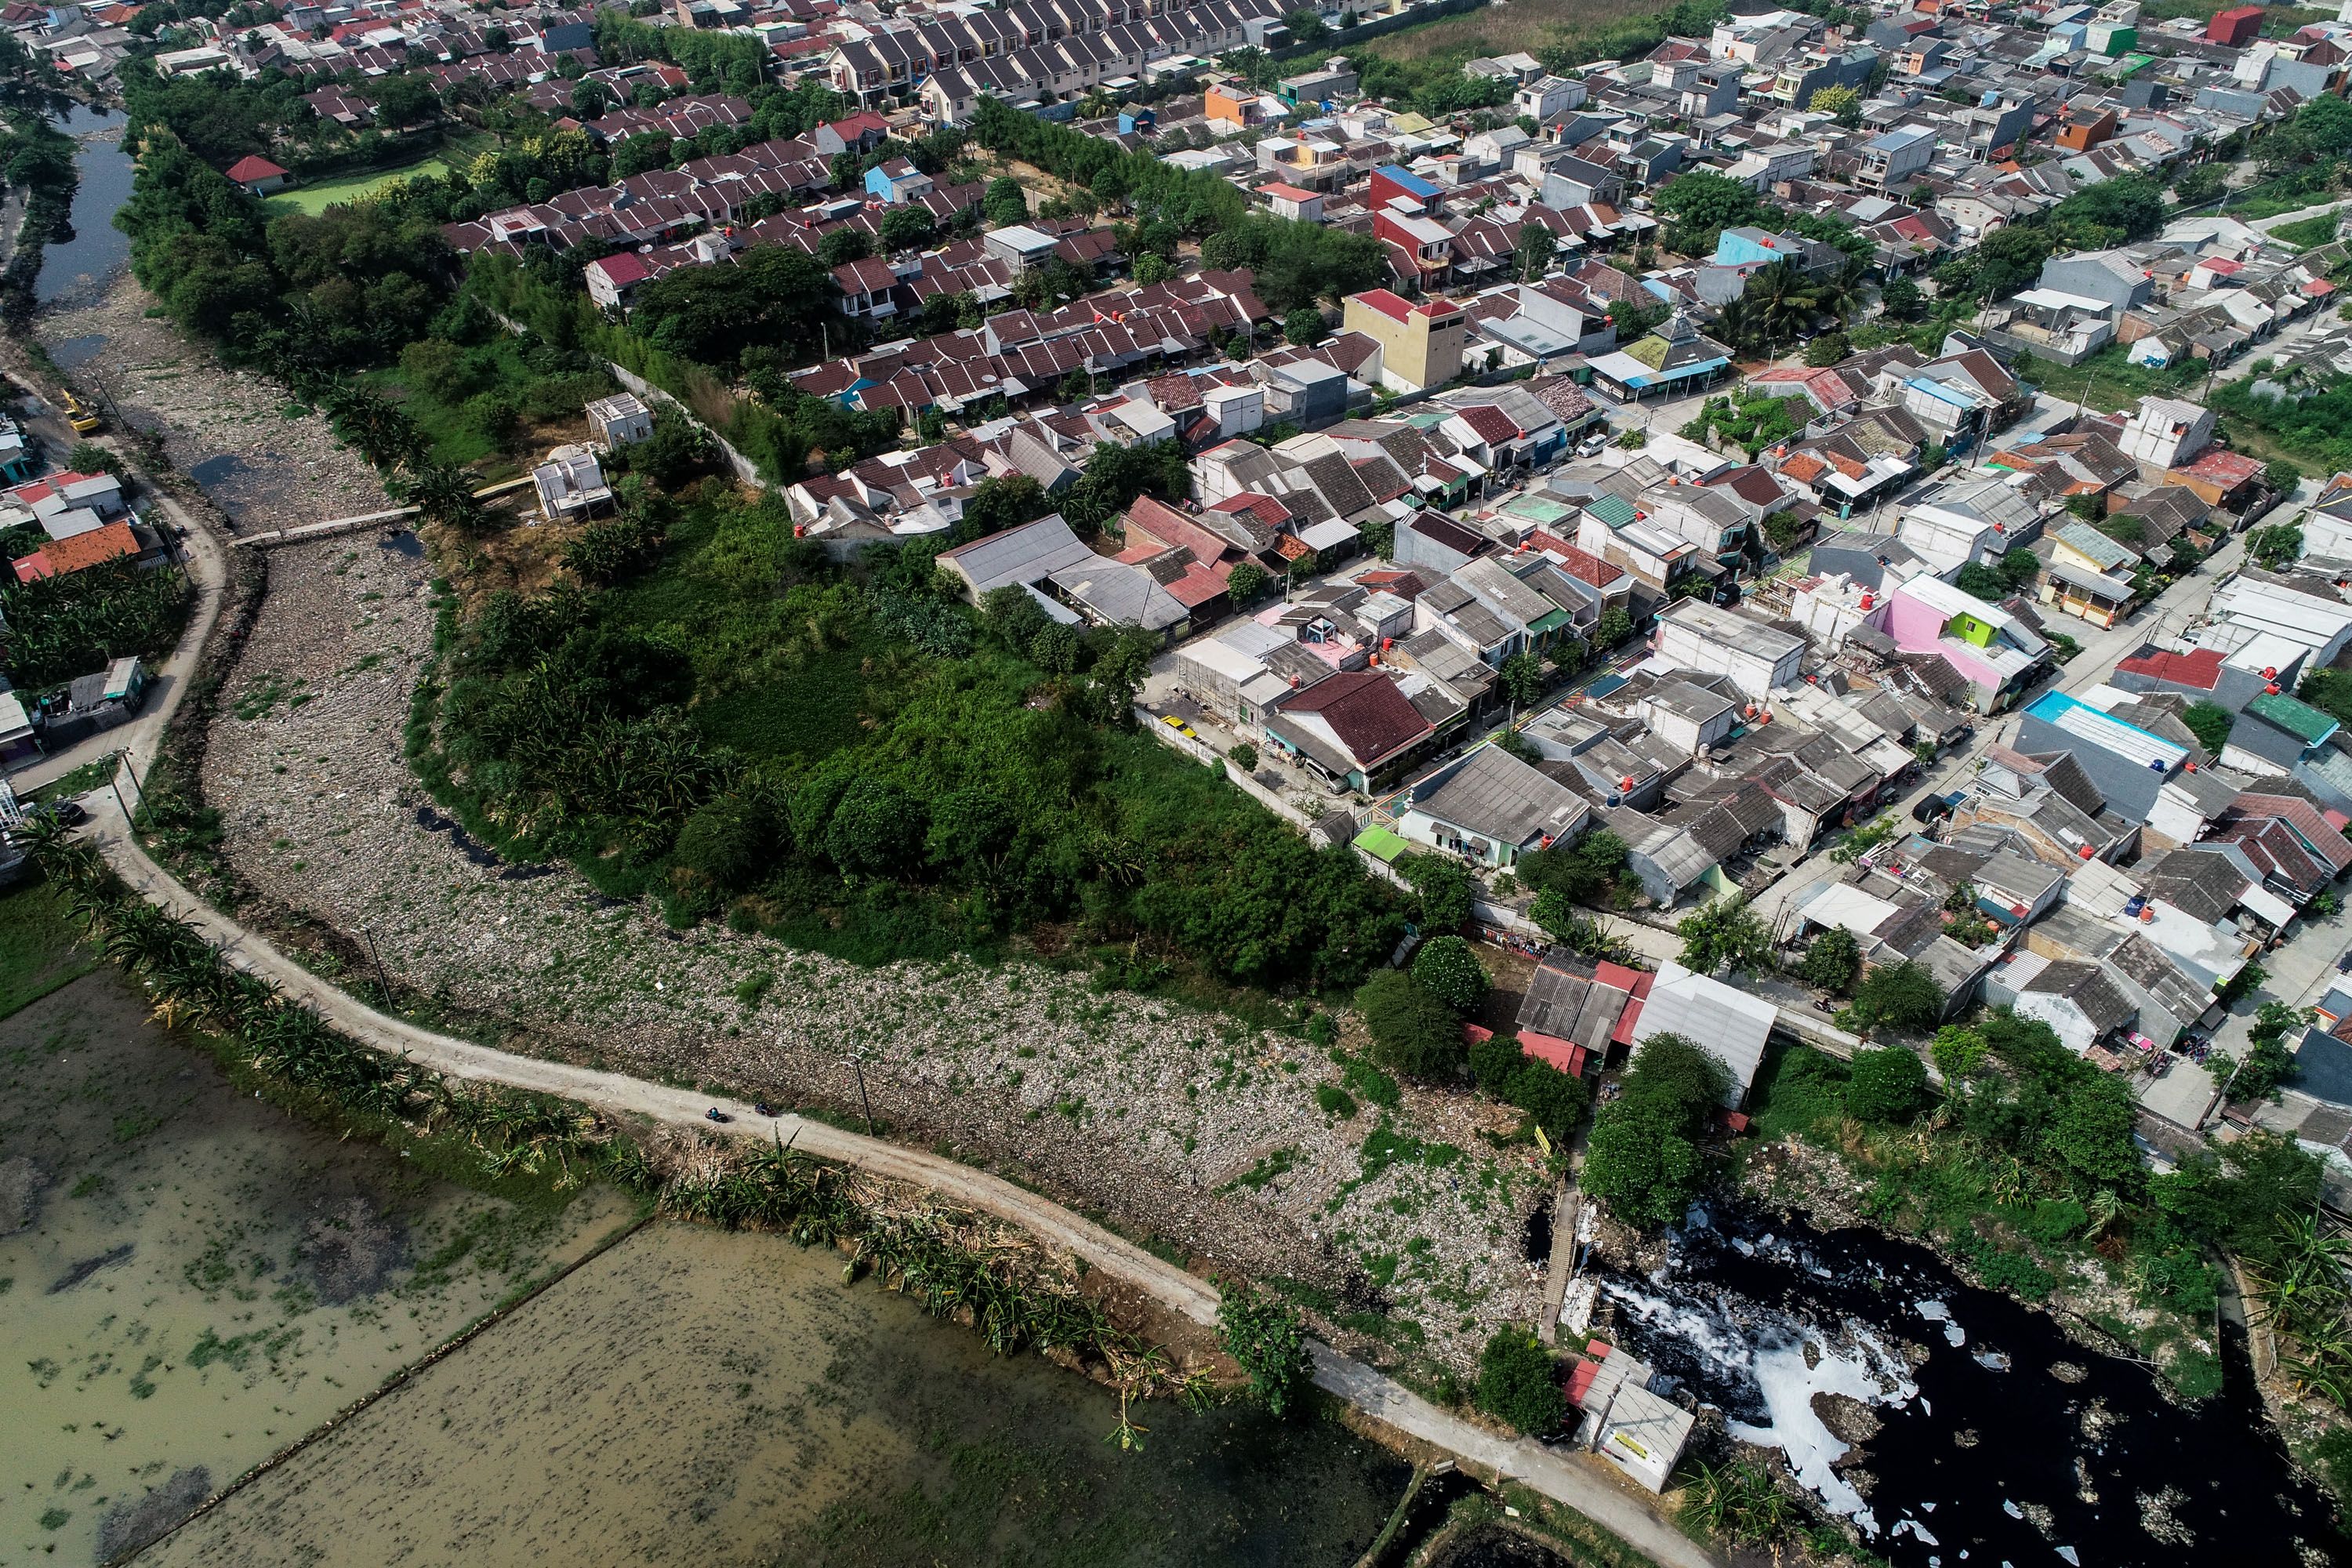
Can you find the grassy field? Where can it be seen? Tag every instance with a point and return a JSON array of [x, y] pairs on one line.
[[39, 948], [2304, 233], [1503, 28], [315, 199], [456, 430]]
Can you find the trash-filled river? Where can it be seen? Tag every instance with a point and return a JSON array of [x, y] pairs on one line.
[[1953, 1425]]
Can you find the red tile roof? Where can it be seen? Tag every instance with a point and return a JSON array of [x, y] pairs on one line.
[[1265, 508], [1581, 565], [250, 168], [96, 547], [2228, 469], [2200, 668], [1491, 424]]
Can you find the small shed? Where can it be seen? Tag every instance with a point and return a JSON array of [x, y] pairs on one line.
[[570, 485], [258, 176], [619, 420], [1639, 1431]]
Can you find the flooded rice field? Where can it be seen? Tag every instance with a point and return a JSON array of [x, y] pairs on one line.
[[1953, 1425], [191, 1280], [693, 1396]]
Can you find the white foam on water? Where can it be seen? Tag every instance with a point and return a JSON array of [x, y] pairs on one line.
[[1938, 1312], [1917, 1530], [2068, 1554], [1788, 1387]]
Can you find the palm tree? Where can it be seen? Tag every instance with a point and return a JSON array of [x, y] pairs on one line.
[[444, 493]]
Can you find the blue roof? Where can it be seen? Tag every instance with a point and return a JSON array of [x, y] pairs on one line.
[[1893, 141], [1413, 184], [1938, 390]]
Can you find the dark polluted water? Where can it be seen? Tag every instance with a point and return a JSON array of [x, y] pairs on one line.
[[1957, 1425]]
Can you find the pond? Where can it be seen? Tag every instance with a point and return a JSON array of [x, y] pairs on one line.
[[82, 267], [1954, 1425], [194, 1281]]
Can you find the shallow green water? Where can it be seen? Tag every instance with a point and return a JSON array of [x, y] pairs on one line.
[[192, 1281]]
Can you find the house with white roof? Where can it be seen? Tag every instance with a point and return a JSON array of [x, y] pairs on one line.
[[1727, 1023], [1757, 658]]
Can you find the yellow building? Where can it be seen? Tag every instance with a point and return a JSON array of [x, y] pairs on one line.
[[1421, 342]]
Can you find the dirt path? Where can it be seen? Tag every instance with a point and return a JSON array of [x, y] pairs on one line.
[[1576, 1480]]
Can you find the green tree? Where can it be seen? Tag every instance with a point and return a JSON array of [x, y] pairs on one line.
[[1536, 250], [641, 154], [444, 494], [1887, 1086], [1959, 1053], [908, 228], [839, 247], [1640, 1159], [1976, 577], [1413, 1032], [1643, 1156], [1831, 961], [1246, 582], [2267, 1063], [1442, 888], [1304, 327], [997, 504], [1521, 676], [1827, 350], [2198, 185], [876, 828], [1268, 1338], [1902, 298], [2275, 548], [1152, 267], [1616, 627], [2281, 476], [1519, 1382], [1583, 870], [1841, 103], [1004, 204], [2091, 1134], [1243, 756], [1726, 932], [2211, 723], [1449, 971], [728, 842], [1899, 995]]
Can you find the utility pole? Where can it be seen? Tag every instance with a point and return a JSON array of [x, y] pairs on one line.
[[857, 1061], [382, 979]]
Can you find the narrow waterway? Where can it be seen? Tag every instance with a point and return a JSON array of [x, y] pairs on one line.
[[192, 1281], [80, 266], [1954, 1425]]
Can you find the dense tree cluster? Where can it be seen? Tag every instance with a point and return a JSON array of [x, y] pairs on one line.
[[60, 627], [786, 737], [1642, 1158], [1295, 263]]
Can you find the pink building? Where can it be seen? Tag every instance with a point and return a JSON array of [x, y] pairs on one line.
[[1997, 653]]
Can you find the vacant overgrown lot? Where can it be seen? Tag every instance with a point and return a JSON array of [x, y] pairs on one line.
[[1400, 1223]]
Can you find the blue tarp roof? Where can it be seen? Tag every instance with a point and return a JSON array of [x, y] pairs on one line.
[[1412, 184]]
